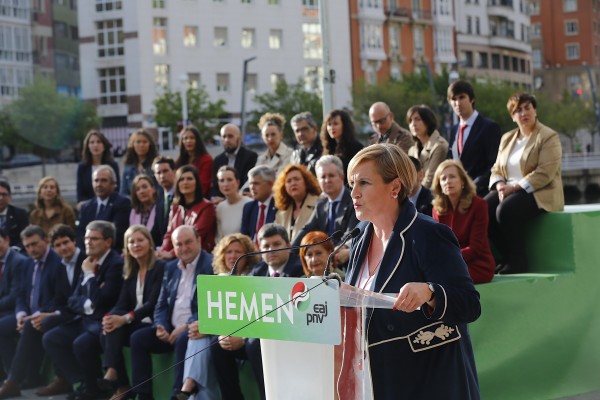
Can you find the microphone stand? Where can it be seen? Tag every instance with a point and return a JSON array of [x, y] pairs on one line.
[[326, 275]]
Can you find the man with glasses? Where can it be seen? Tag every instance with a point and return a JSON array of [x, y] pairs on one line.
[[382, 120], [309, 148], [12, 219]]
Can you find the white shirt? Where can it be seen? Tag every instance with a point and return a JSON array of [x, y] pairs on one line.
[[182, 310]]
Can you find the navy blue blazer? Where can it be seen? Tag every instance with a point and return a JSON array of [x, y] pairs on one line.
[[345, 217], [117, 211], [424, 201], [85, 188], [250, 216], [11, 287], [64, 290], [245, 160], [168, 291], [128, 297], [47, 294], [292, 269], [102, 290], [420, 250], [17, 219], [479, 151]]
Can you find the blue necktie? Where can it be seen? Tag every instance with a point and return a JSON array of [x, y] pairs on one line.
[[35, 290], [100, 210], [331, 220]]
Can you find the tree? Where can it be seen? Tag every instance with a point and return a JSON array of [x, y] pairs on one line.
[[566, 117], [202, 113], [46, 120], [288, 100]]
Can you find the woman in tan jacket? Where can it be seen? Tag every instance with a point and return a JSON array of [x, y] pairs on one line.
[[525, 182]]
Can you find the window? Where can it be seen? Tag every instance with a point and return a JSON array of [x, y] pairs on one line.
[[222, 82], [312, 40], [275, 37], [108, 5], [22, 43], [569, 5], [190, 36], [477, 26], [220, 37], [536, 57], [495, 61], [394, 38], [534, 7], [535, 31], [572, 51], [469, 25], [161, 77], [273, 2], [109, 38], [571, 27], [573, 82], [112, 85], [468, 59], [248, 38], [159, 36], [506, 63], [74, 32], [523, 67], [276, 78], [193, 80], [61, 29], [314, 4], [418, 38], [313, 79], [158, 3], [251, 83], [515, 64], [371, 36], [483, 60], [246, 1]]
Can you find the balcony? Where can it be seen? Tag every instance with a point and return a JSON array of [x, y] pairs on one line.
[[501, 8], [404, 14]]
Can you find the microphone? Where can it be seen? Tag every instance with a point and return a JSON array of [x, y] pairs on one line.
[[350, 235], [334, 236]]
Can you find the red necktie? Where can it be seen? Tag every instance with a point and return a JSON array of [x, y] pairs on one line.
[[260, 222], [461, 133]]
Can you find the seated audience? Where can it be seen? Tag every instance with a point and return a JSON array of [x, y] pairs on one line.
[[193, 151], [262, 210], [296, 192], [525, 182], [309, 148], [50, 208], [430, 147], [74, 347], [420, 196], [189, 208], [108, 205], [338, 136], [457, 205], [134, 310], [12, 219], [96, 152], [176, 319], [141, 151], [314, 259], [229, 212], [277, 155], [146, 209]]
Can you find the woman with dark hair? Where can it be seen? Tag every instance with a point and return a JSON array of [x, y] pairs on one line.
[[189, 208], [229, 212], [457, 205], [145, 207], [50, 208], [193, 151], [430, 148], [338, 136], [525, 182], [135, 308], [141, 150], [296, 192], [314, 258], [96, 151]]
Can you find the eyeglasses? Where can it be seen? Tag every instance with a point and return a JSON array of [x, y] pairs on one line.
[[92, 238], [381, 120]]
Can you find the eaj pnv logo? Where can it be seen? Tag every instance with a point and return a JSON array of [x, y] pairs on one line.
[[300, 296]]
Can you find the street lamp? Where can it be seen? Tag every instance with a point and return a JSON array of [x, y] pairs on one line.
[[183, 79], [244, 82]]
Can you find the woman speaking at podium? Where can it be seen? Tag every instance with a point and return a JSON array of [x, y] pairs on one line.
[[421, 349]]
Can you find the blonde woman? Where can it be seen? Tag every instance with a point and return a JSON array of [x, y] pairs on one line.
[[50, 207], [277, 155]]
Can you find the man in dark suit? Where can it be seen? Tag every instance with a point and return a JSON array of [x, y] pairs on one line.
[[164, 172], [175, 314], [74, 347], [334, 212], [37, 297], [235, 155], [309, 148], [12, 268], [262, 210], [388, 130], [420, 196], [475, 140], [280, 263], [12, 219], [62, 238], [108, 205]]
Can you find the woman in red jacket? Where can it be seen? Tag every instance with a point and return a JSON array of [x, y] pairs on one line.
[[193, 151], [456, 204], [189, 207]]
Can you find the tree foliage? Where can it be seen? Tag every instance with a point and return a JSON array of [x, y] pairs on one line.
[[288, 100], [202, 113], [45, 121]]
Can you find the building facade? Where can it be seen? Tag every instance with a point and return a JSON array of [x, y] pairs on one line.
[[132, 51]]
